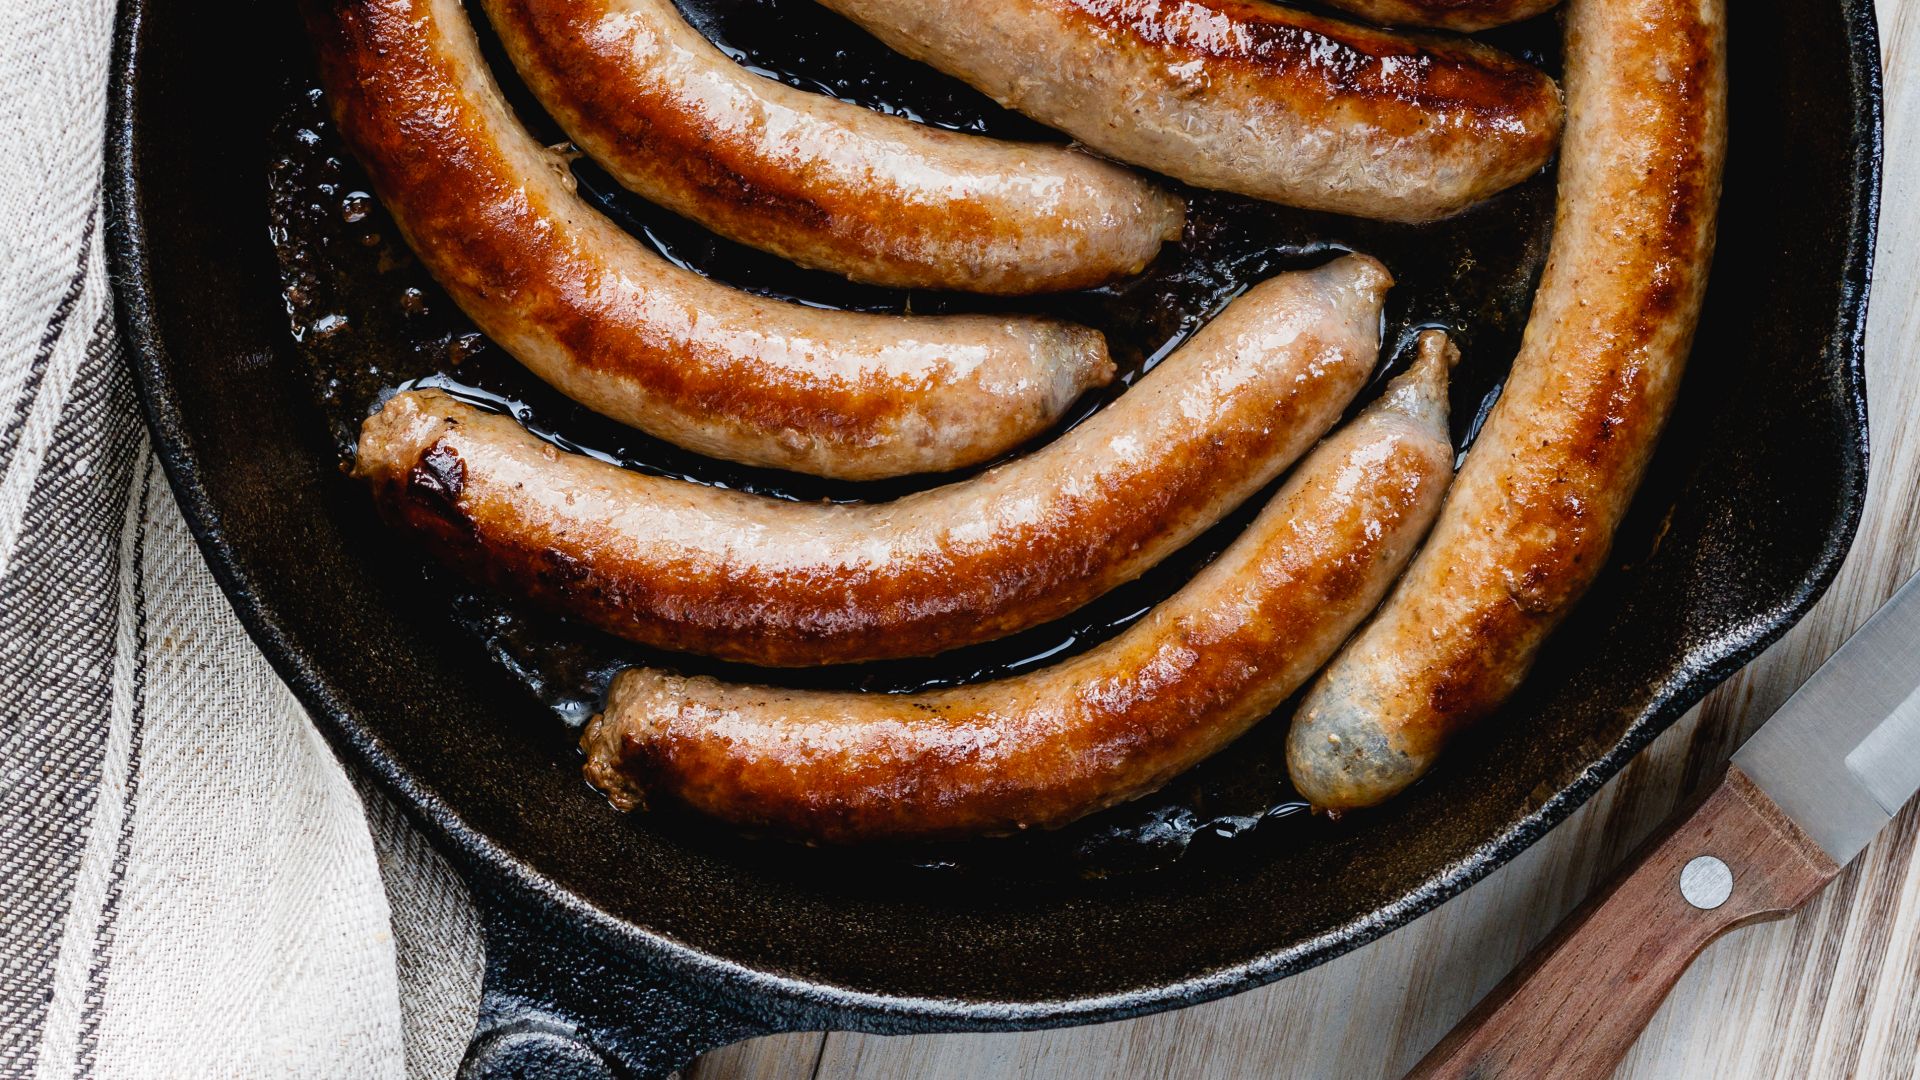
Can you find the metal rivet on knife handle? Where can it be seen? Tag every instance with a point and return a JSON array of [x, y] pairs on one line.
[[1706, 882]]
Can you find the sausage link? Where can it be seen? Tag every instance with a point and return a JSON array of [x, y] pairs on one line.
[[494, 217], [1249, 97], [1531, 520], [1462, 16], [1114, 723], [822, 182], [775, 583]]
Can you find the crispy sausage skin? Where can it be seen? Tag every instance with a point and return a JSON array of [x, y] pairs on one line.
[[1043, 749], [586, 307], [775, 583], [821, 182], [1463, 16], [1530, 522], [1249, 97]]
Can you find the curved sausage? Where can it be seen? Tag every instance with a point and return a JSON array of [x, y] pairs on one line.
[[586, 307], [1462, 16], [822, 182], [1249, 97], [1530, 522], [775, 583], [1116, 722]]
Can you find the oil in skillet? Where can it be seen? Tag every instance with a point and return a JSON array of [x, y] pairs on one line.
[[367, 320]]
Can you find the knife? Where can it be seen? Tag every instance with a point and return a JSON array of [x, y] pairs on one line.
[[1799, 800]]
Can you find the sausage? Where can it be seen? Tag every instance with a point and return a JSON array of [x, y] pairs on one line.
[[822, 182], [1530, 522], [760, 580], [1462, 16], [586, 307], [1249, 97], [1043, 749]]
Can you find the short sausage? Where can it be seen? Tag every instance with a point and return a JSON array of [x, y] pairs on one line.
[[825, 183], [494, 217], [1531, 520], [760, 580], [1251, 97], [1042, 749]]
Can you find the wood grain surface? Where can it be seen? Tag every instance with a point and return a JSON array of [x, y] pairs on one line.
[[1832, 992]]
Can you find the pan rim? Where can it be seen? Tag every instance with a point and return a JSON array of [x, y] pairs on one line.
[[847, 1007]]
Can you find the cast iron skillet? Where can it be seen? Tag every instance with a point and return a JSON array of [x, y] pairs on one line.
[[618, 948]]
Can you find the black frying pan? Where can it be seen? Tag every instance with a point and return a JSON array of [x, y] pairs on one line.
[[624, 947]]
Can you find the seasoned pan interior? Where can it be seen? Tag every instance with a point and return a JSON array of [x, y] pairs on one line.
[[276, 304]]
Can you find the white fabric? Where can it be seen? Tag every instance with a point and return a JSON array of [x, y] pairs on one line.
[[190, 884]]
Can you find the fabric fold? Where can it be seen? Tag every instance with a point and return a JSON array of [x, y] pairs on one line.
[[192, 884]]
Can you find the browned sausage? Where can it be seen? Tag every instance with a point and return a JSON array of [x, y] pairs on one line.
[[821, 182], [749, 578], [586, 307], [1465, 16], [1043, 749], [1530, 521], [1250, 97]]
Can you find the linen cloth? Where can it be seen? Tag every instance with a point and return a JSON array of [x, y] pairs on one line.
[[190, 884]]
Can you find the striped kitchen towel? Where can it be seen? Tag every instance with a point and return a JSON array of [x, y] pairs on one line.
[[190, 884]]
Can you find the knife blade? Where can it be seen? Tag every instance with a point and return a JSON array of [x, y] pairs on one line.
[[1842, 756]]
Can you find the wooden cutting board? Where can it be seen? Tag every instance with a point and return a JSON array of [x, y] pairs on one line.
[[1833, 992]]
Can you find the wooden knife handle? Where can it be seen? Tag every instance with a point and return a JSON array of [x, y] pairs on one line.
[[1579, 1002]]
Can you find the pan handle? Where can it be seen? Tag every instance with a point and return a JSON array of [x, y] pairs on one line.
[[557, 1003]]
